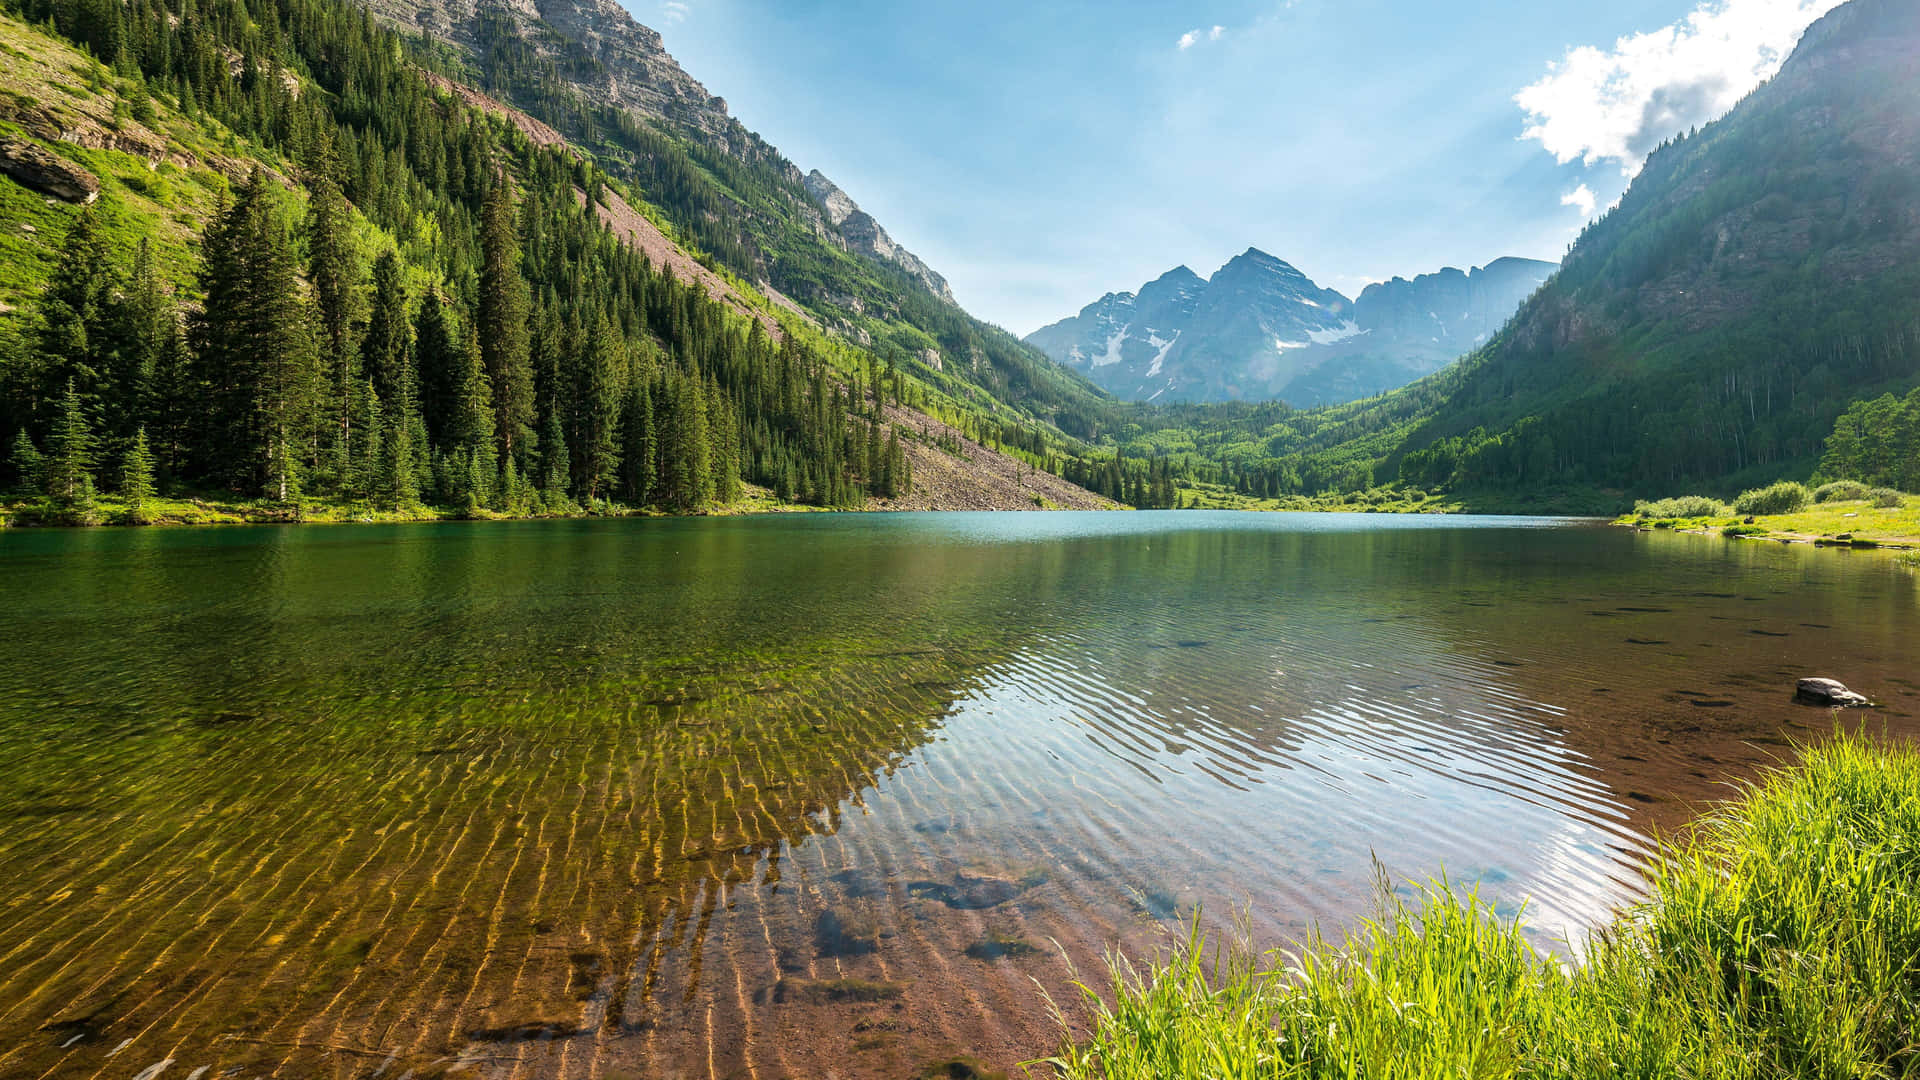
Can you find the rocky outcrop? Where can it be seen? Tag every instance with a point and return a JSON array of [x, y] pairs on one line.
[[863, 235], [42, 170]]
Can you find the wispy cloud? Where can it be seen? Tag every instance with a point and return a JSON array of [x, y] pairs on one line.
[[1194, 37], [674, 12], [1583, 199], [1599, 105]]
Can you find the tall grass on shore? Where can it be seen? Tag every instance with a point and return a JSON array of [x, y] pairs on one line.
[[1781, 939]]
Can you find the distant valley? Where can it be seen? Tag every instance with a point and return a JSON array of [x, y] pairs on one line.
[[1259, 329]]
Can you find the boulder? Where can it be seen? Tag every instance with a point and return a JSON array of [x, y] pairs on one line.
[[1830, 693], [44, 171]]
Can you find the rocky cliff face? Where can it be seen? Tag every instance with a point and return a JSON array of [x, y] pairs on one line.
[[863, 235], [615, 61], [1260, 329], [637, 72]]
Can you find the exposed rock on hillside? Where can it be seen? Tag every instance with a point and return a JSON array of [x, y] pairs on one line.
[[864, 235], [977, 478], [46, 172]]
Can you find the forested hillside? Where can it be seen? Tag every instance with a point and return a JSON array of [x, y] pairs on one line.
[[1761, 274], [258, 249]]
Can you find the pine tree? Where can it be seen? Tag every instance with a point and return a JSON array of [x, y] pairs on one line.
[[638, 449], [387, 348], [554, 473], [254, 346], [442, 364], [152, 327], [504, 310], [400, 484], [333, 266], [77, 316], [599, 410], [29, 467], [70, 453], [136, 478]]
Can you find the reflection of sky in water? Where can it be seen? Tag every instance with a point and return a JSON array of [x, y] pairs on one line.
[[1232, 792]]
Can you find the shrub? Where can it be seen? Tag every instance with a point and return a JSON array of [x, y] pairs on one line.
[[1840, 491], [1685, 506], [1887, 498], [1785, 497]]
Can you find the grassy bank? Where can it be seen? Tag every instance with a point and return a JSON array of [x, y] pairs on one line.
[[1399, 499], [1892, 520], [1782, 939]]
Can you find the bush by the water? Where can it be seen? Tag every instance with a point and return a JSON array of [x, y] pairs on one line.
[[1685, 506], [1887, 498], [1840, 491], [1778, 942], [1785, 497]]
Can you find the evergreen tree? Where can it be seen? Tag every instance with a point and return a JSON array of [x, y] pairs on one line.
[[599, 410], [29, 467], [333, 266], [504, 310], [255, 347], [152, 329], [77, 335], [637, 448], [70, 452], [554, 473], [442, 363], [136, 478], [387, 349]]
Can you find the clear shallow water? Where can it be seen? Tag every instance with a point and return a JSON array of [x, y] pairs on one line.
[[823, 796]]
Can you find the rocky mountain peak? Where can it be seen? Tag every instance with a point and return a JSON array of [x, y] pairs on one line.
[[1260, 329], [863, 235]]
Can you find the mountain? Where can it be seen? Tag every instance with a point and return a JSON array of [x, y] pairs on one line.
[[288, 261], [1757, 277], [1260, 329], [607, 85], [865, 235]]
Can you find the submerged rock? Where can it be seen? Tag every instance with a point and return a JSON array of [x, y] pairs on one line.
[[1831, 693]]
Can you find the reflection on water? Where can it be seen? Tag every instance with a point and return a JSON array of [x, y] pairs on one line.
[[824, 796]]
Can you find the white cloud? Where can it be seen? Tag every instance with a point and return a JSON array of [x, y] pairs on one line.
[[1583, 198], [675, 11], [1193, 37], [1617, 105]]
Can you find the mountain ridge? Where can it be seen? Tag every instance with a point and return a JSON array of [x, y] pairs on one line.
[[1260, 329]]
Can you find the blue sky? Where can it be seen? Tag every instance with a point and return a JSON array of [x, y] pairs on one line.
[[1041, 154]]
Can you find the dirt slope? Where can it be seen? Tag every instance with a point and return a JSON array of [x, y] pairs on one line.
[[980, 479]]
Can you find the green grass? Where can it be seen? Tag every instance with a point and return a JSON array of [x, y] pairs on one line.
[[1782, 939], [1857, 519]]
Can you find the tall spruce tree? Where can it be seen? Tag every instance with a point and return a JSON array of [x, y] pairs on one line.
[[504, 310], [79, 321], [70, 451], [254, 344], [333, 267], [599, 410], [637, 444], [136, 478]]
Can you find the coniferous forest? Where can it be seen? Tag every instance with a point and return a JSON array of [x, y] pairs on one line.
[[420, 307]]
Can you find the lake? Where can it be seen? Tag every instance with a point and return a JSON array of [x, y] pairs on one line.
[[830, 795]]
